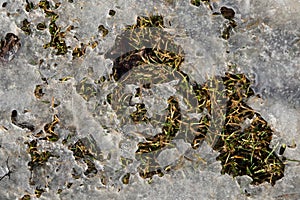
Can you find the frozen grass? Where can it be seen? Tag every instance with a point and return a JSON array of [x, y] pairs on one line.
[[60, 136]]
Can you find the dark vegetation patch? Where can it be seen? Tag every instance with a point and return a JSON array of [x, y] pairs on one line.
[[229, 23], [26, 27], [156, 144], [26, 197], [112, 12], [38, 91], [80, 152], [131, 47], [243, 140], [51, 135], [104, 31], [58, 35], [84, 150], [244, 137], [196, 2], [38, 157], [38, 192]]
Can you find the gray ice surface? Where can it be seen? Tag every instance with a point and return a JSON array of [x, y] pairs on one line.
[[265, 45]]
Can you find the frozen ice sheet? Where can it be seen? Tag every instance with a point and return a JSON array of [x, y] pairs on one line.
[[265, 45]]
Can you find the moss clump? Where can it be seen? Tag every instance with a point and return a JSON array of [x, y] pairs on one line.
[[140, 114]]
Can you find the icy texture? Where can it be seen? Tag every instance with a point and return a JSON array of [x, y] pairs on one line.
[[265, 45]]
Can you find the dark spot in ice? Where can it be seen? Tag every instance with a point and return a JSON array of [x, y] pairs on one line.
[[23, 125], [9, 46], [112, 12], [227, 13]]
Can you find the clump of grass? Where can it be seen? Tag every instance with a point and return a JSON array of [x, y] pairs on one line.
[[81, 152], [26, 27], [231, 127], [140, 114], [104, 31], [144, 43], [38, 158], [57, 36], [57, 40], [38, 192], [51, 135], [147, 22], [245, 139], [149, 150], [140, 44]]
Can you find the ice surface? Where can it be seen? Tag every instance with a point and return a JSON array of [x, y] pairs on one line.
[[265, 46]]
